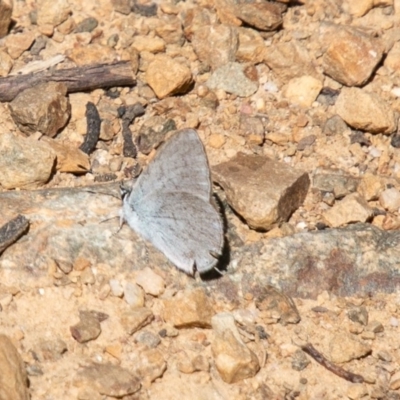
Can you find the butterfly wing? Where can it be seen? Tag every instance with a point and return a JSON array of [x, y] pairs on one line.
[[180, 165], [185, 227]]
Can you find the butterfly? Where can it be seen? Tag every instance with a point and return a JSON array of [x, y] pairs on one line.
[[170, 206]]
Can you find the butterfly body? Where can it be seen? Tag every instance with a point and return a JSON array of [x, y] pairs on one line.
[[170, 205]]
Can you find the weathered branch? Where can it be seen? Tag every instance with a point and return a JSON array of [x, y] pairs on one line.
[[77, 79]]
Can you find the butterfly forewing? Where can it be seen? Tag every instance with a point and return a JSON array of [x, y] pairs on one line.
[[179, 165]]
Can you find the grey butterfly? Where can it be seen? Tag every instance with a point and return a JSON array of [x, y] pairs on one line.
[[170, 205]]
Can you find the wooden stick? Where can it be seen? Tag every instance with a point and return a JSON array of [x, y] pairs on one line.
[[330, 366], [77, 79]]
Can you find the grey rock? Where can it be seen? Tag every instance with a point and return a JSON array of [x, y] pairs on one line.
[[336, 182], [232, 79], [359, 315], [357, 260]]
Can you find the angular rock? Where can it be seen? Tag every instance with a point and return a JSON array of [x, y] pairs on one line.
[[13, 378], [44, 108], [171, 31], [194, 19], [93, 53], [233, 359], [6, 8], [69, 159], [359, 315], [136, 318], [265, 16], [133, 295], [189, 308], [365, 111], [215, 45], [19, 166], [231, 78], [251, 46], [17, 43], [51, 12], [107, 379], [226, 12], [371, 186], [353, 208], [167, 76], [303, 90], [150, 282], [88, 328], [146, 43], [264, 192], [343, 348], [346, 47], [290, 60]]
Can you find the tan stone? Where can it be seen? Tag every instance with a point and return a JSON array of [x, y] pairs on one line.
[[167, 76], [136, 318], [353, 208], [19, 166], [6, 8], [188, 309], [147, 43], [366, 111], [17, 43], [234, 361], [371, 186], [44, 108], [69, 159], [303, 90], [52, 12], [346, 47], [263, 191], [151, 282], [13, 378]]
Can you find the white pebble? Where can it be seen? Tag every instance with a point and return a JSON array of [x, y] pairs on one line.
[[394, 322], [116, 288], [375, 152], [133, 295], [150, 282]]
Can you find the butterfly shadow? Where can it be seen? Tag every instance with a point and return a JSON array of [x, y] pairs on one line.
[[224, 259]]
